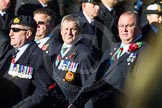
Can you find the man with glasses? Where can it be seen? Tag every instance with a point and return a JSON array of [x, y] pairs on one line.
[[115, 66], [45, 19], [27, 7], [24, 79]]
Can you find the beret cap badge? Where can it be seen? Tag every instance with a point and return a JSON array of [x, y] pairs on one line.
[[16, 20], [159, 8]]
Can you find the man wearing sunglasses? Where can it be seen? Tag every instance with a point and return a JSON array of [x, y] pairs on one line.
[[27, 7], [24, 79], [45, 19]]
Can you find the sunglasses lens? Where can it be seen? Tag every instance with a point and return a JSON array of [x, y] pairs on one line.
[[17, 29]]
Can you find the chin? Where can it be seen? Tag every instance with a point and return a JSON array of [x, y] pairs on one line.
[[127, 41]]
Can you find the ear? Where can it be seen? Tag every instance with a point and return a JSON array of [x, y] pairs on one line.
[[83, 5], [28, 34], [61, 32]]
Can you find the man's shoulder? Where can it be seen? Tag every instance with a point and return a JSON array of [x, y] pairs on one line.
[[34, 49]]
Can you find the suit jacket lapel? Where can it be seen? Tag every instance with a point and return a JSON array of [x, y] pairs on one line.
[[116, 63], [71, 51], [25, 56], [120, 60]]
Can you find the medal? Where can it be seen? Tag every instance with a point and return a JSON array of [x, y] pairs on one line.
[[69, 76], [21, 71]]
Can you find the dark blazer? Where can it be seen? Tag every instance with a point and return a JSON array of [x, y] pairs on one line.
[[4, 44], [79, 62], [52, 47], [148, 35], [100, 37], [109, 80], [5, 21], [110, 19], [27, 93]]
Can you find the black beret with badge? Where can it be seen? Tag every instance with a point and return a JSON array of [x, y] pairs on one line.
[[91, 1], [25, 21], [154, 8]]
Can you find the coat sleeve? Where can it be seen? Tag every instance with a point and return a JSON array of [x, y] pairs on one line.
[[44, 85], [4, 44]]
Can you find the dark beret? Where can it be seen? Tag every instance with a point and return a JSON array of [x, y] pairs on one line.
[[25, 21]]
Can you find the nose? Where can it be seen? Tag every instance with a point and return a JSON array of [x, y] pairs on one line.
[[125, 29], [11, 33], [160, 19], [69, 32]]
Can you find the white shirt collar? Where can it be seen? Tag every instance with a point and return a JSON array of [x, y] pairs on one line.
[[125, 47], [66, 45], [21, 51], [43, 41], [89, 20], [109, 8], [2, 13], [44, 5]]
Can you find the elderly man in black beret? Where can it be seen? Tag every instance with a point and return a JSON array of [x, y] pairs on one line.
[[24, 79]]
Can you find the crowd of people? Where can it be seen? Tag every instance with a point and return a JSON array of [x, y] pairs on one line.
[[82, 58]]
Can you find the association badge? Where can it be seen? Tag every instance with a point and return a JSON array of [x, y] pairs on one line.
[[69, 76]]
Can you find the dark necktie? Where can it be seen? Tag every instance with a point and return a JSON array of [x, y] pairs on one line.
[[14, 55], [4, 16], [117, 54], [111, 12], [92, 27]]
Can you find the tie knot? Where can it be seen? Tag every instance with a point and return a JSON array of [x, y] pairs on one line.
[[92, 22], [15, 53], [63, 50]]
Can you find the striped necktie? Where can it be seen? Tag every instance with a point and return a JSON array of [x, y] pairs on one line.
[[63, 50], [117, 54]]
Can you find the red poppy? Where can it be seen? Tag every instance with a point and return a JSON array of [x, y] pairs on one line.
[[133, 47], [44, 47], [72, 55], [121, 49]]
